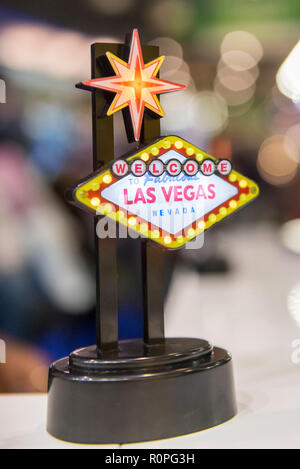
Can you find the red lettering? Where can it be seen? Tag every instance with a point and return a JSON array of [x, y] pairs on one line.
[[154, 169], [175, 166], [189, 196], [211, 190], [126, 201], [200, 193], [119, 168], [206, 168], [139, 196], [190, 168], [177, 194], [151, 195], [167, 195], [138, 168]]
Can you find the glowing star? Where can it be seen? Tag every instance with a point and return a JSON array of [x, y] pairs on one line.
[[135, 84]]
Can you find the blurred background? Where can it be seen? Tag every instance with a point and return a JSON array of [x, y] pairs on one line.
[[241, 64]]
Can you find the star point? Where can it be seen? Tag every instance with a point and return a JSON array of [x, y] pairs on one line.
[[135, 84]]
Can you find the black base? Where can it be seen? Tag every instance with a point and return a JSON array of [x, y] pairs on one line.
[[140, 392]]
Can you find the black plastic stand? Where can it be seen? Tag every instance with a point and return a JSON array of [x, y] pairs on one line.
[[140, 393], [137, 390]]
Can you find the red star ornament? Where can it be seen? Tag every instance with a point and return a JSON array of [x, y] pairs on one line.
[[135, 84]]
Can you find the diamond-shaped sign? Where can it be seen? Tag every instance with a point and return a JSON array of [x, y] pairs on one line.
[[170, 210]]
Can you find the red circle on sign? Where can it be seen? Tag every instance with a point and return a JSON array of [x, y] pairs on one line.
[[120, 168], [208, 167], [191, 167], [224, 167], [174, 167], [138, 168], [156, 168]]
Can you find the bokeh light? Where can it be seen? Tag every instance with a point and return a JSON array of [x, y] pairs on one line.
[[177, 117], [236, 81], [293, 135], [277, 160], [209, 113], [242, 41], [238, 60], [290, 235], [234, 98], [237, 70], [180, 76], [167, 46], [64, 53], [288, 76]]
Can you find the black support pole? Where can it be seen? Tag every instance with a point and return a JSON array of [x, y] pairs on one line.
[[153, 293], [152, 256], [105, 249]]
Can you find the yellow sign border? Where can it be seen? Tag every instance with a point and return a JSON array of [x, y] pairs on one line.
[[248, 190]]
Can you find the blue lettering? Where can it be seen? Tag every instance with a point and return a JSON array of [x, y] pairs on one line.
[[165, 177]]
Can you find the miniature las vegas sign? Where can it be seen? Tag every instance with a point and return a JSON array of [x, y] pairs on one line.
[[169, 191]]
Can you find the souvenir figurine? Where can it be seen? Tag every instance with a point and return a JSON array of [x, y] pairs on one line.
[[168, 192]]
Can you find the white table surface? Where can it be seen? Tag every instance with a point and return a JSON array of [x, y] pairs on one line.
[[245, 312]]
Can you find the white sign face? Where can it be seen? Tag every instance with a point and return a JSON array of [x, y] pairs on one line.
[[168, 202], [169, 191]]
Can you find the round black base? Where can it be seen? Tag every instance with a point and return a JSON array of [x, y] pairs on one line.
[[140, 392]]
